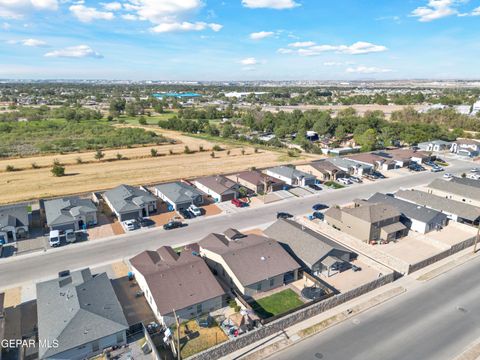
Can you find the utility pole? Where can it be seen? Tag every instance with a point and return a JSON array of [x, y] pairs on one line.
[[179, 356], [476, 238]]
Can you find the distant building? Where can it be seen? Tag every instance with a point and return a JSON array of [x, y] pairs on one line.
[[455, 191], [434, 145], [466, 147], [291, 176], [323, 170]]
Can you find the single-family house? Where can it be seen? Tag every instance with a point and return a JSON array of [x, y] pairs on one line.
[[368, 222], [14, 223], [323, 170], [351, 167], [249, 263], [180, 284], [317, 253], [415, 217], [466, 147], [291, 176], [130, 202], [258, 182], [404, 157], [435, 145], [81, 314], [455, 191], [373, 160], [179, 195], [218, 187], [455, 210], [70, 213]]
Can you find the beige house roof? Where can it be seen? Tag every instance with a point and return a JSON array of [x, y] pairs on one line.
[[373, 212], [176, 281], [251, 258]]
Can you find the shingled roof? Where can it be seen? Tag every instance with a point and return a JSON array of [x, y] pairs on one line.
[[76, 310], [13, 216], [456, 188], [176, 281], [251, 258], [61, 211], [126, 198]]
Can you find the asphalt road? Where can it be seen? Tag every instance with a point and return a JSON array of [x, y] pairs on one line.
[[437, 321], [40, 266]]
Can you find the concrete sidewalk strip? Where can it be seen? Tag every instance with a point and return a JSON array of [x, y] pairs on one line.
[[472, 353], [302, 334]]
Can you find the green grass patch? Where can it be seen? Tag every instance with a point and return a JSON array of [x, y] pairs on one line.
[[277, 303], [151, 120], [233, 142], [333, 185]]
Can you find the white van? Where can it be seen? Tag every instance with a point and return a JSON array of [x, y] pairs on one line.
[[54, 238], [70, 236], [195, 210]]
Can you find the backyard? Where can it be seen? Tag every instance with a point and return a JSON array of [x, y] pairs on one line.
[[277, 303], [194, 338]]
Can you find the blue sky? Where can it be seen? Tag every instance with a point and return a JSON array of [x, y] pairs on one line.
[[239, 39]]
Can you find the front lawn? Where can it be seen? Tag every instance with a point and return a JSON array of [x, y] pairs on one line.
[[277, 303], [334, 185], [194, 339]]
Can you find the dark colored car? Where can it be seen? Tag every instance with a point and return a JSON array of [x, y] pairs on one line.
[[317, 207], [379, 175], [64, 273], [318, 215], [314, 187], [284, 215], [356, 268], [172, 225], [186, 214]]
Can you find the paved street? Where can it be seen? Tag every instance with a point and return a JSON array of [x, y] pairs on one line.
[[38, 266], [437, 320]]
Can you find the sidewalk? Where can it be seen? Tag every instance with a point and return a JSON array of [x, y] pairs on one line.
[[279, 341]]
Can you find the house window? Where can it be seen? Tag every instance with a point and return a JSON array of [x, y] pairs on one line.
[[259, 286], [119, 338], [95, 346], [272, 281], [199, 308]]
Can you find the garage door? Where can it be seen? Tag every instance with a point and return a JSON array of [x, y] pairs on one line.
[[64, 227], [129, 216], [228, 197]]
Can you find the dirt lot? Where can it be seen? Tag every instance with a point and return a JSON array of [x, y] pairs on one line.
[[39, 183]]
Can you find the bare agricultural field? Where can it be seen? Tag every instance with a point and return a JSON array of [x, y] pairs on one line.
[[361, 109], [32, 184]]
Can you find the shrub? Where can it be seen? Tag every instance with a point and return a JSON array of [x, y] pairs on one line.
[[243, 151], [170, 152], [200, 148], [228, 152], [217, 148], [10, 168], [154, 152], [35, 165], [142, 120], [99, 155], [212, 154], [187, 150], [79, 160], [119, 156], [255, 150], [58, 170], [232, 303]]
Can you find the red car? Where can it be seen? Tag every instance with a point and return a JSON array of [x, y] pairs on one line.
[[238, 203]]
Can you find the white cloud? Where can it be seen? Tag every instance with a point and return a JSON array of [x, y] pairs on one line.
[[367, 70], [185, 26], [360, 47], [300, 44], [112, 6], [435, 9], [88, 14], [337, 63], [6, 26], [80, 51], [261, 35], [270, 4], [130, 17], [249, 61], [29, 42], [16, 9], [164, 11]]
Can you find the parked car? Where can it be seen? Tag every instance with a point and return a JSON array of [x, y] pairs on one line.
[[344, 181], [318, 215], [314, 187], [416, 167], [317, 207], [284, 215], [239, 203], [448, 176], [436, 169], [130, 225], [430, 163], [195, 210], [70, 236], [63, 273], [379, 175], [475, 170], [172, 225], [355, 179], [54, 238], [473, 176], [186, 214]]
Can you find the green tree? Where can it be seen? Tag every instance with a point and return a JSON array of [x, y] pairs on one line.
[[367, 140], [99, 155], [154, 152], [58, 170]]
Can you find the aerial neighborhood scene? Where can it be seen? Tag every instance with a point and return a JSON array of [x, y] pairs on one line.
[[244, 179]]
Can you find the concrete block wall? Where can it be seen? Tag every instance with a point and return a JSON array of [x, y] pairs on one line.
[[289, 320]]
